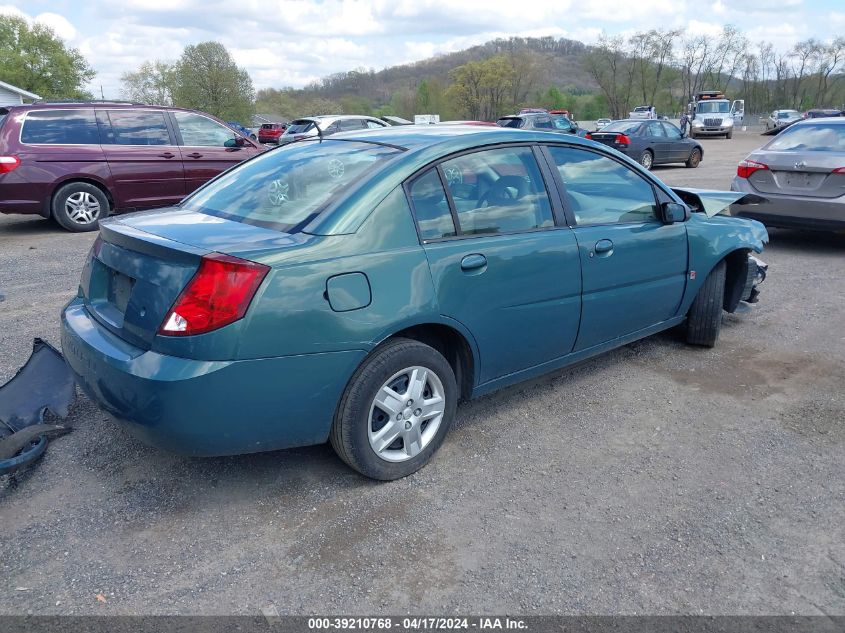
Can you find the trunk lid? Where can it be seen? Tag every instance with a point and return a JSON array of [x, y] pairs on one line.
[[807, 174], [141, 263], [609, 138]]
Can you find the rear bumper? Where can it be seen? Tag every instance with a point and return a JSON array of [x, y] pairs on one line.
[[198, 407], [823, 214]]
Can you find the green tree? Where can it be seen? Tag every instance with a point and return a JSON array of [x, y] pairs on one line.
[[482, 90], [152, 83], [206, 78], [36, 59]]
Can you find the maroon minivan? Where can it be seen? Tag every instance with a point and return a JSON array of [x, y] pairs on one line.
[[79, 162]]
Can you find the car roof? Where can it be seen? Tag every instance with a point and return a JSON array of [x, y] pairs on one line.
[[835, 120]]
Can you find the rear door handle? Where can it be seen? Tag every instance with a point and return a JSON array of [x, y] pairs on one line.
[[167, 155], [195, 155], [476, 261]]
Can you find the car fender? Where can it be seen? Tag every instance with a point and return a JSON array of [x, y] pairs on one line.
[[712, 239]]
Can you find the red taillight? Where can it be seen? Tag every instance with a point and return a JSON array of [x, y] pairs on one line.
[[588, 136], [838, 170], [748, 167], [218, 294], [623, 139], [9, 163]]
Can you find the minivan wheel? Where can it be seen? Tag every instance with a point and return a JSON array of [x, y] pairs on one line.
[[396, 410], [79, 206], [704, 320], [647, 159]]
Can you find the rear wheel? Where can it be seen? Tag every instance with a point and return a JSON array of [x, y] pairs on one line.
[[396, 410], [694, 159], [79, 206], [704, 320], [647, 159]]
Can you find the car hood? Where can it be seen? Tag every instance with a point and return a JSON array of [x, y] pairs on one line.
[[712, 202]]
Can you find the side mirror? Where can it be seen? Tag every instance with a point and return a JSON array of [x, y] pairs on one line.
[[672, 212]]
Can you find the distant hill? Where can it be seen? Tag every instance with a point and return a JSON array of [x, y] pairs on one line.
[[559, 63]]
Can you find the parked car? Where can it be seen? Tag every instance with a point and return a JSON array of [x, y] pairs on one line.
[[541, 121], [640, 112], [824, 113], [601, 123], [80, 162], [354, 289], [243, 131], [779, 118], [801, 175], [327, 125], [533, 111], [650, 142], [271, 132]]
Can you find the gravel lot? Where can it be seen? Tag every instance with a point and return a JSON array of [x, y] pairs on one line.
[[658, 478]]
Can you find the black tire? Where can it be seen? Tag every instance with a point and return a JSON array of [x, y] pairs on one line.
[[729, 134], [704, 320], [694, 159], [90, 194], [349, 434], [647, 159]]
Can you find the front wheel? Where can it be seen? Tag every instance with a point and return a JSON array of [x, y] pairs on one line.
[[647, 159], [694, 159], [704, 320], [79, 206], [396, 410], [729, 134]]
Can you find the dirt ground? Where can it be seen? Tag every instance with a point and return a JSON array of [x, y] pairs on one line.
[[658, 478]]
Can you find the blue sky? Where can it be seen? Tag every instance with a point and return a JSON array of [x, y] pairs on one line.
[[294, 42]]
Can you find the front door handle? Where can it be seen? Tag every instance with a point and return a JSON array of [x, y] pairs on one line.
[[603, 248], [474, 262], [167, 155], [195, 155]]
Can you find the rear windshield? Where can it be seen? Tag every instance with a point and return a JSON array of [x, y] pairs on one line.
[[786, 114], [509, 122], [286, 188], [60, 127], [815, 137], [270, 126], [298, 127], [622, 127]]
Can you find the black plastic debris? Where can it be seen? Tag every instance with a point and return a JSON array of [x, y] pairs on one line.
[[43, 384]]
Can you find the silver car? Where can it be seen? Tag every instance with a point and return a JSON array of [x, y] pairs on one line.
[[779, 118], [801, 175], [329, 124]]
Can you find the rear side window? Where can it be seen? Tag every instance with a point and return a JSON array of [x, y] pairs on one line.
[[60, 127], [509, 122], [348, 125], [138, 127], [298, 127]]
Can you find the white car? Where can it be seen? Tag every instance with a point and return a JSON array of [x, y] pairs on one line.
[[779, 118], [640, 112], [600, 123]]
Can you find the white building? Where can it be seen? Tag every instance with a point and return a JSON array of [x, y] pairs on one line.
[[10, 95]]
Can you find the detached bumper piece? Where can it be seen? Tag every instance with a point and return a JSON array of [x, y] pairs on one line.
[[744, 277], [757, 271], [44, 383]]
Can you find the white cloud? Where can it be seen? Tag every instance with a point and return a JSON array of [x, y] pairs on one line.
[[59, 24]]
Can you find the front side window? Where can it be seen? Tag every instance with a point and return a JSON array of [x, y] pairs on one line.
[[498, 191], [60, 127], [288, 187], [600, 190], [198, 131], [138, 127], [431, 209], [815, 137]]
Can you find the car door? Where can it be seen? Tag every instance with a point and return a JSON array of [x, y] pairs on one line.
[[499, 263], [208, 148], [679, 147], [143, 158], [634, 267], [659, 143]]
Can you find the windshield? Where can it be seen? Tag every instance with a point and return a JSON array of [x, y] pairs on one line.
[[787, 114], [299, 127], [284, 189], [622, 127], [509, 122], [713, 107], [816, 137]]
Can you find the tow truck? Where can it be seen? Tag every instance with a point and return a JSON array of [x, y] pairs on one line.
[[712, 114]]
